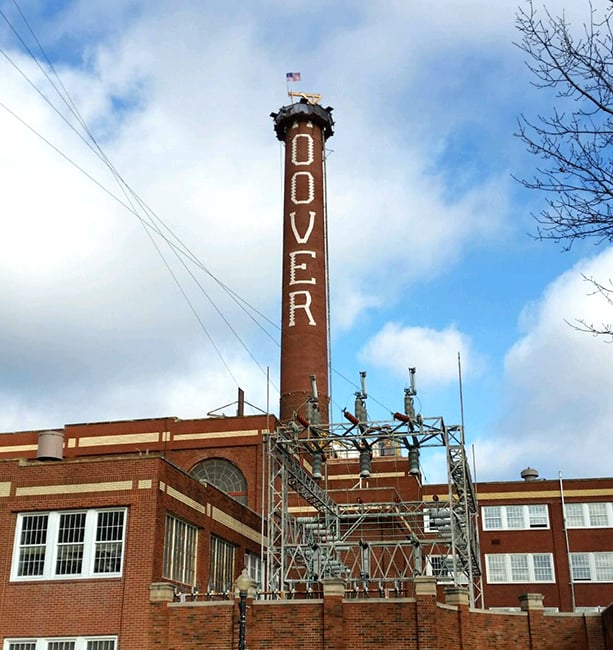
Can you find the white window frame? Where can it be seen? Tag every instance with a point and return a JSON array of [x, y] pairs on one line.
[[591, 565], [586, 512], [51, 544], [516, 517], [510, 564], [180, 551], [80, 642], [255, 567]]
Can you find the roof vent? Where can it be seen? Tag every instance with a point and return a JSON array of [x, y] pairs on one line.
[[529, 474], [50, 445]]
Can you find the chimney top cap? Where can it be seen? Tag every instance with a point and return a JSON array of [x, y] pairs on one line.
[[303, 111]]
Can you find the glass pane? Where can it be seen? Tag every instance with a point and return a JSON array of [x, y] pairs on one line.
[[109, 545], [496, 568], [69, 559], [221, 565], [108, 557], [32, 545], [61, 645], [34, 530], [519, 568], [72, 528], [70, 543], [110, 526], [580, 565], [574, 515], [101, 644], [31, 561], [22, 645], [542, 568], [492, 518], [604, 566], [538, 516], [253, 564], [224, 475], [180, 551], [598, 514], [515, 517]]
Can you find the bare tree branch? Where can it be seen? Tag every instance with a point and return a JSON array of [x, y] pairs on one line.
[[574, 143], [604, 329]]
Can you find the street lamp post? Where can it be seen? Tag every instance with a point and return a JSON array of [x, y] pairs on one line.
[[243, 583]]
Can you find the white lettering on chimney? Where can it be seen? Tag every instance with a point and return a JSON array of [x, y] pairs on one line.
[[306, 306], [306, 197], [309, 149], [302, 239], [302, 192], [293, 267]]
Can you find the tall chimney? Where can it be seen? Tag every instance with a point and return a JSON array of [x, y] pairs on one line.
[[304, 127]]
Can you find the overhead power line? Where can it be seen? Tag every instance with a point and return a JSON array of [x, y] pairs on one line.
[[151, 222]]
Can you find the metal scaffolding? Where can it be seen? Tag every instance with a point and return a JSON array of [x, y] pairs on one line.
[[376, 539]]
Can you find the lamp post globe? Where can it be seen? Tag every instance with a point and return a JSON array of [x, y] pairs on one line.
[[243, 583]]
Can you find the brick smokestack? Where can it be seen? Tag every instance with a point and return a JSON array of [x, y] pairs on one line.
[[304, 127]]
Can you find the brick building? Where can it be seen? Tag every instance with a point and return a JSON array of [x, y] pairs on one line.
[[124, 519]]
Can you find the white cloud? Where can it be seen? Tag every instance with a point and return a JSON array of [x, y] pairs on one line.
[[557, 410], [433, 352], [179, 95]]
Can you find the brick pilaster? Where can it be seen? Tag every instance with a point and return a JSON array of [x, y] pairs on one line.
[[533, 605], [458, 597], [425, 611], [160, 594], [333, 622]]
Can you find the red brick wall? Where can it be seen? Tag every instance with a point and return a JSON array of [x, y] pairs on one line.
[[419, 624], [118, 606], [86, 606]]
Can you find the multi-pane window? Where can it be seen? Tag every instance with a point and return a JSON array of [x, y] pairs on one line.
[[180, 551], [519, 567], [515, 517], [224, 475], [592, 567], [75, 643], [441, 566], [221, 565], [254, 566], [589, 515], [69, 544]]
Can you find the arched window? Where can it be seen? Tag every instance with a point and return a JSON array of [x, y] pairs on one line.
[[224, 475]]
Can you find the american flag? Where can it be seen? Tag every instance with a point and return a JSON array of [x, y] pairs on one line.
[[292, 76]]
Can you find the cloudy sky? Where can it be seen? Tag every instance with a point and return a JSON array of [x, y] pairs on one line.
[[430, 250]]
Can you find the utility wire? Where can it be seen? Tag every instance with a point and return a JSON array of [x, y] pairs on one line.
[[97, 150], [180, 250], [151, 222]]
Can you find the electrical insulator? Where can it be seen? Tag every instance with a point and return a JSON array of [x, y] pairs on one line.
[[365, 463], [414, 461], [409, 408], [315, 414], [316, 462], [360, 409], [303, 421]]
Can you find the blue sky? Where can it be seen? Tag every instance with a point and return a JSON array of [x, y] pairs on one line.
[[429, 234]]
